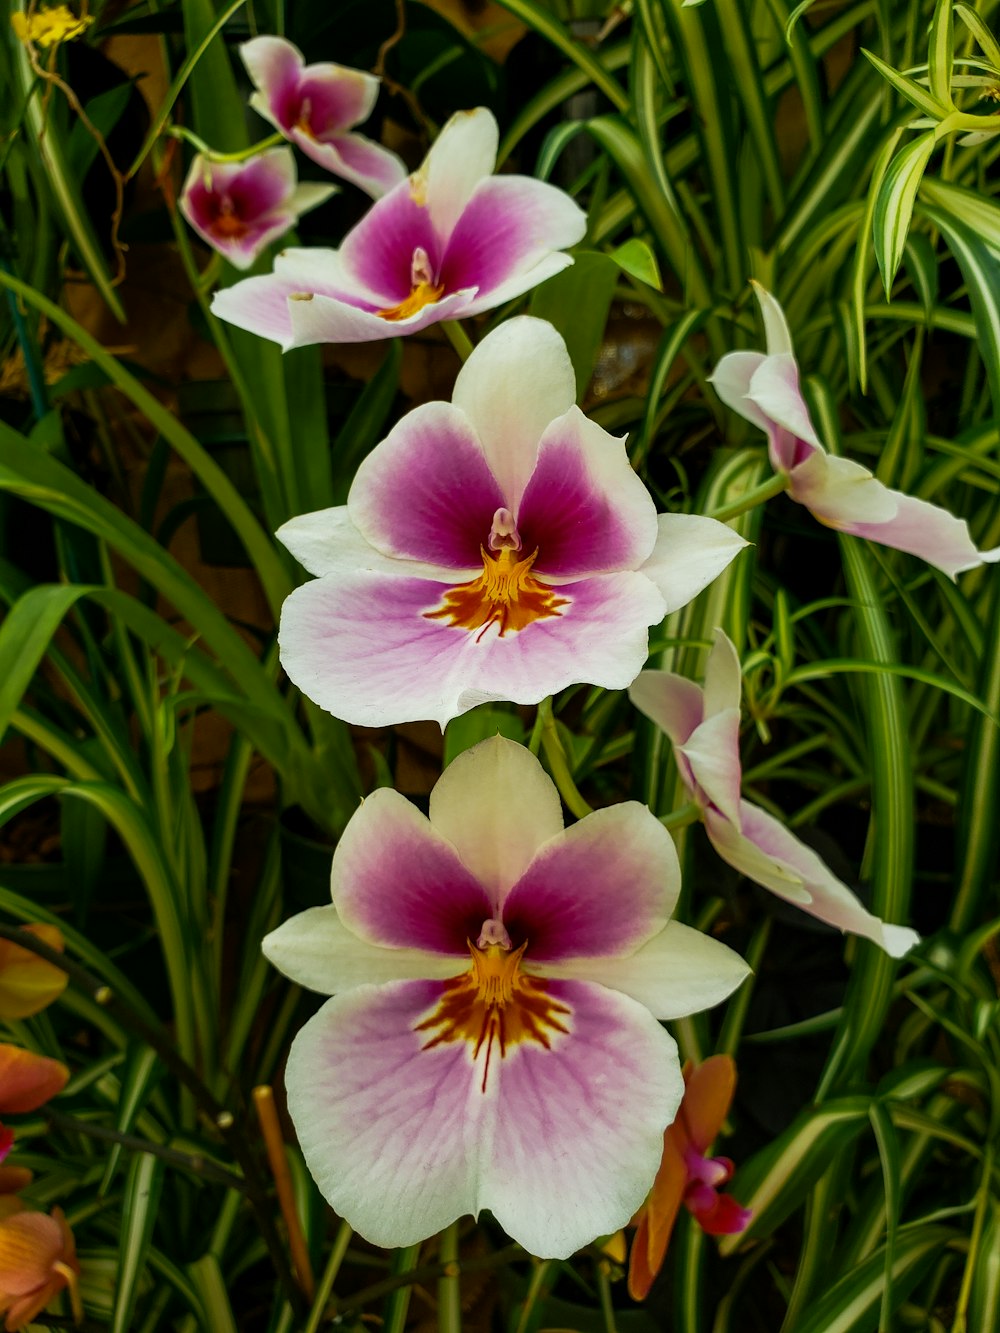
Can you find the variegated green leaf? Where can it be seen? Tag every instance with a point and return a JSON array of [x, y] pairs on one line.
[[941, 52], [913, 92], [894, 205]]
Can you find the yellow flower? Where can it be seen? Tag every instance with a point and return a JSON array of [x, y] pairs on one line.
[[37, 1260], [49, 26]]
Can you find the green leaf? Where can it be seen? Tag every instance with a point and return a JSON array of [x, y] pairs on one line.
[[139, 1207], [988, 43], [104, 112], [140, 1075], [941, 52], [778, 1177], [888, 1151], [541, 21], [576, 303], [977, 211], [366, 421], [984, 1297], [479, 724], [206, 1278], [894, 204], [850, 1305], [636, 258], [24, 638], [913, 92]]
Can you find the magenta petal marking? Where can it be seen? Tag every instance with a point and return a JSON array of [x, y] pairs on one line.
[[379, 250], [427, 492], [600, 888], [509, 223], [332, 98], [397, 882], [391, 1132], [356, 159], [584, 509]]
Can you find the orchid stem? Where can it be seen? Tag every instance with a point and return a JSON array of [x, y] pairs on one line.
[[757, 496], [681, 817], [556, 755], [449, 1283], [263, 1100], [398, 1305], [458, 338], [604, 1290], [241, 155]]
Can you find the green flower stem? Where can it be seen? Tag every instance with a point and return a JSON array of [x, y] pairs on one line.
[[159, 1040], [682, 816], [340, 1244], [398, 1305], [200, 1166], [449, 1283], [241, 155], [757, 496], [458, 338], [604, 1291], [558, 766]]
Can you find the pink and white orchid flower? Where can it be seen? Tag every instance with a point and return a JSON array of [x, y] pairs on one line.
[[239, 208], [704, 726], [496, 547], [492, 1040], [316, 108], [764, 389], [452, 240]]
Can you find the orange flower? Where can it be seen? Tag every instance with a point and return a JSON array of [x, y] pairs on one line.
[[687, 1175], [29, 983], [27, 1080], [37, 1260]]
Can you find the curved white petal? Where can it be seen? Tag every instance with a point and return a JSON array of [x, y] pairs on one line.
[[316, 950], [723, 676], [497, 805], [327, 542], [673, 702], [462, 155], [515, 382], [775, 391], [690, 552], [779, 340], [731, 381], [678, 972], [713, 752], [841, 493]]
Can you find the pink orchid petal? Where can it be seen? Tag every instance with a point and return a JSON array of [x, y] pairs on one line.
[[731, 380], [723, 687], [584, 509], [337, 96], [391, 1133], [325, 320], [361, 646], [777, 337], [775, 390], [378, 252], [799, 876], [354, 158], [523, 281], [508, 225], [582, 1122], [427, 492], [402, 1138], [690, 552], [713, 756], [238, 208], [274, 66], [397, 882], [840, 492], [316, 950], [927, 531], [326, 541], [514, 384], [463, 154], [673, 702], [497, 806], [678, 972], [601, 888]]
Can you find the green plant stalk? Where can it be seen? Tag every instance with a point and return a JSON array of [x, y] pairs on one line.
[[757, 495], [340, 1244], [449, 1287], [558, 766], [398, 1304], [458, 338]]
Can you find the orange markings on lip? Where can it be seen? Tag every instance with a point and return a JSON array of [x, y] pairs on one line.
[[506, 593], [494, 1002], [228, 224], [422, 293]]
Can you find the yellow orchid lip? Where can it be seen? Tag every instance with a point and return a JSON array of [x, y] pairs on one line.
[[506, 594], [494, 1004]]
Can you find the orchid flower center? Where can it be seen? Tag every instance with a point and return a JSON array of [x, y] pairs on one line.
[[494, 1004], [303, 118], [227, 221], [423, 289], [506, 593]]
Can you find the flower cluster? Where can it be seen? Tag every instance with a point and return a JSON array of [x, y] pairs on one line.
[[492, 1037], [37, 1252]]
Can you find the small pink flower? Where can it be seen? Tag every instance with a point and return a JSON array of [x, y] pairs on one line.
[[499, 546], [764, 389], [704, 726], [239, 208], [452, 240], [687, 1175], [316, 107], [492, 1040]]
